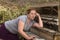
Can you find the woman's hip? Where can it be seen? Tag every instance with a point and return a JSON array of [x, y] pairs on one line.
[[6, 35]]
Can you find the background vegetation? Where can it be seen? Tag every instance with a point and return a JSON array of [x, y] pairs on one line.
[[7, 13], [10, 9]]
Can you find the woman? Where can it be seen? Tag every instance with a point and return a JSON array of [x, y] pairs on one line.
[[9, 29]]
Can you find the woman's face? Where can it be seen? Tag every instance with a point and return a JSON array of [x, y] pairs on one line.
[[32, 14]]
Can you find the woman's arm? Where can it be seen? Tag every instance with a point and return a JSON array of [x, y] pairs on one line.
[[20, 30], [40, 24]]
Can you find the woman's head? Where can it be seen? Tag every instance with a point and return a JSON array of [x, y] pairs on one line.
[[31, 13]]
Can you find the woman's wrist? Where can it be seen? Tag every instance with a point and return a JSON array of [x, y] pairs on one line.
[[27, 38]]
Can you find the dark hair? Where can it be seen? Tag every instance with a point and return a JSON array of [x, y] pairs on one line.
[[29, 10]]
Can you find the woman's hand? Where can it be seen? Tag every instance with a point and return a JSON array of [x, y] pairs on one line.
[[37, 14], [31, 38]]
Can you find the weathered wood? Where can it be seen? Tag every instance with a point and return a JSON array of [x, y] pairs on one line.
[[45, 33], [36, 36]]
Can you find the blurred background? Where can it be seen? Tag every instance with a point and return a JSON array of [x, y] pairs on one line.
[[10, 9]]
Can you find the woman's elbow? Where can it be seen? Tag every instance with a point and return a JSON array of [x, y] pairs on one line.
[[20, 31], [41, 25]]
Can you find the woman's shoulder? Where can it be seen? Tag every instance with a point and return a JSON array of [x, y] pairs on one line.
[[22, 16]]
